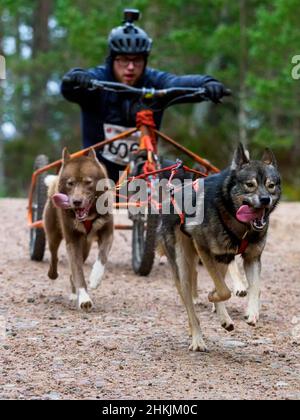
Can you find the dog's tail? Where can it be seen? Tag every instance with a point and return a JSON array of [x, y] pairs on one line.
[[51, 183]]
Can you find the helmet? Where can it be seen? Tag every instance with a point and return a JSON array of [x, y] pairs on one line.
[[129, 38]]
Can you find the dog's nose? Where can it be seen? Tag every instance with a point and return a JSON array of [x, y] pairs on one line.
[[77, 203], [265, 200]]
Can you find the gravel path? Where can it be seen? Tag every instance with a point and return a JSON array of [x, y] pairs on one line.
[[134, 344]]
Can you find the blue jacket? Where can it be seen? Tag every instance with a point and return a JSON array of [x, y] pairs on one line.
[[98, 107]]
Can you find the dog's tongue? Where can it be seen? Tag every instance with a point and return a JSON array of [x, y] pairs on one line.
[[61, 201], [246, 214]]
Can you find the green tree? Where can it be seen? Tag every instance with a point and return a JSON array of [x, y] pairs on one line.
[[248, 45]]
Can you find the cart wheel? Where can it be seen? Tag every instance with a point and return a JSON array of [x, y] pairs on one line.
[[144, 243], [37, 235]]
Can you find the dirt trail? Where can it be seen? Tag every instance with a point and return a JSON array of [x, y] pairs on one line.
[[134, 345]]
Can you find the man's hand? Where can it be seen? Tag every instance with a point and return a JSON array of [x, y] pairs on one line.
[[81, 78], [215, 91]]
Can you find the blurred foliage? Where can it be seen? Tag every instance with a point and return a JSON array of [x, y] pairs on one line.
[[247, 44]]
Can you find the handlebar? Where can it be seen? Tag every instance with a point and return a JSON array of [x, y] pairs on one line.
[[146, 93], [149, 93]]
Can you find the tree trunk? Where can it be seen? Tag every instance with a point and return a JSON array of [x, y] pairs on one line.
[[2, 177], [201, 111], [40, 27], [243, 73], [40, 75]]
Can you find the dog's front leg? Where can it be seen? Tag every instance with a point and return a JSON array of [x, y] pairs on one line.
[[239, 280], [105, 241], [217, 272], [75, 254], [185, 286], [185, 273], [225, 320], [253, 273]]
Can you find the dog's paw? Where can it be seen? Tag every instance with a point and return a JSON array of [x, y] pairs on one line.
[[240, 293], [228, 326], [84, 301], [252, 319], [52, 274], [239, 289], [196, 300], [198, 345], [96, 275], [252, 312], [225, 320], [86, 306]]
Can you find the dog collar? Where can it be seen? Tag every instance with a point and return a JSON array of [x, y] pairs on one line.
[[88, 224]]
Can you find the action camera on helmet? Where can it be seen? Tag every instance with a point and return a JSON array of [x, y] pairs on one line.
[[131, 15], [129, 38]]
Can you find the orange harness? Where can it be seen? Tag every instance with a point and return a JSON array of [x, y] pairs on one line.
[[145, 118]]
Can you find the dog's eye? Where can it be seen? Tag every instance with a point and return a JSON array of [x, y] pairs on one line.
[[250, 185], [271, 186], [88, 182], [70, 184]]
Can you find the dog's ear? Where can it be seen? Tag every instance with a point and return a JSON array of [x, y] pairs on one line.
[[269, 158], [241, 157], [92, 154], [65, 155]]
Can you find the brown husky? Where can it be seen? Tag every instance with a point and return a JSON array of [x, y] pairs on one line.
[[70, 213]]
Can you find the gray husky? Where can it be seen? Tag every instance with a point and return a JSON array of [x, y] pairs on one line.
[[237, 206]]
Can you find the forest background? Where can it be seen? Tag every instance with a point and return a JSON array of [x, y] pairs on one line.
[[250, 45]]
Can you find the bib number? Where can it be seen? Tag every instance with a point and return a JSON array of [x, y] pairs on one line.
[[119, 151]]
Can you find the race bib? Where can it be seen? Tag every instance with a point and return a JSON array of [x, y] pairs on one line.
[[119, 151]]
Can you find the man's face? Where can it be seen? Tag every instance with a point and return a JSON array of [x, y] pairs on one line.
[[128, 68]]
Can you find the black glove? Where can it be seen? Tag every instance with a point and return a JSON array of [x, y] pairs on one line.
[[81, 78], [215, 91]]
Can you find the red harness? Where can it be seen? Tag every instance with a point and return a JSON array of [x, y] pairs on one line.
[[195, 185], [243, 247], [88, 224]]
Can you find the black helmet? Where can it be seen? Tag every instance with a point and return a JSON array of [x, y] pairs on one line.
[[129, 38]]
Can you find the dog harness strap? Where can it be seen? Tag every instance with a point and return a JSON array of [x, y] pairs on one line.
[[88, 225], [244, 245], [148, 167], [178, 211]]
